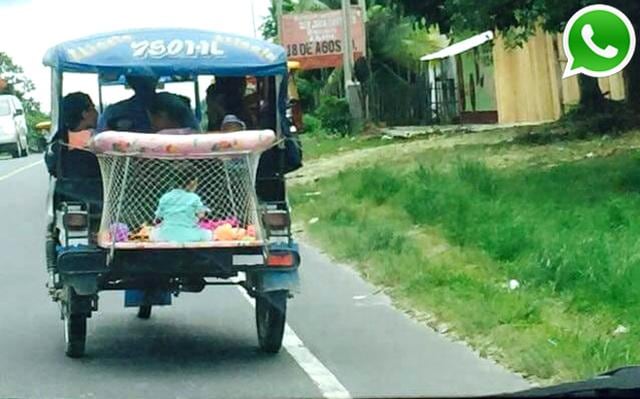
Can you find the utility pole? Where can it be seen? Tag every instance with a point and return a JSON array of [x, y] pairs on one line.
[[347, 47], [253, 19], [278, 4], [365, 18], [352, 89]]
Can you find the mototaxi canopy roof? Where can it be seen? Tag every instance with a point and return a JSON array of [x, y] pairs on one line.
[[167, 52]]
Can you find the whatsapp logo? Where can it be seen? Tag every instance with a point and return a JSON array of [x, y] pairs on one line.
[[599, 41]]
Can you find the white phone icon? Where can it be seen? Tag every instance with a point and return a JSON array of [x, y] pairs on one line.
[[587, 36]]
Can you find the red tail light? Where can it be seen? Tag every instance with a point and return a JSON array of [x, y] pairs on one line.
[[285, 259]]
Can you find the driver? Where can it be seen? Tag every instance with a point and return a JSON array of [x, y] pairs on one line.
[[131, 114]]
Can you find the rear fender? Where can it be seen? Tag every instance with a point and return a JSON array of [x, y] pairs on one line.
[[80, 268], [83, 284], [276, 280], [279, 280], [76, 303]]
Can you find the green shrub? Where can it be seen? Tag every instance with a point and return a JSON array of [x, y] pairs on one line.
[[334, 114], [306, 90], [311, 124]]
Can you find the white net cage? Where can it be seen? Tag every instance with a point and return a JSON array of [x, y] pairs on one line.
[[134, 186]]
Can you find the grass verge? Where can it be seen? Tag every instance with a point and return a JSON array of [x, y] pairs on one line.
[[447, 240]]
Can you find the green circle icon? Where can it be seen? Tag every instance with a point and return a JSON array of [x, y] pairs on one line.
[[599, 41]]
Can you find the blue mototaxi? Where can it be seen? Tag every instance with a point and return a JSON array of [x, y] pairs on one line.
[[79, 269]]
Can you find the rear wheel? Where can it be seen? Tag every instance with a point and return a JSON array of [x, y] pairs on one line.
[[75, 335], [271, 310], [75, 311], [144, 312]]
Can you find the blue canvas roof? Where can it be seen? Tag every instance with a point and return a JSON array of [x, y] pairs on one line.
[[166, 52]]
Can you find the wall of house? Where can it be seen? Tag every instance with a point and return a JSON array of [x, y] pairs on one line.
[[528, 82]]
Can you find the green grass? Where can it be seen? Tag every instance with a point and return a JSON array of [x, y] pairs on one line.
[[569, 235]]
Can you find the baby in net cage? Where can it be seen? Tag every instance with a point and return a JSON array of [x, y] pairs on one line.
[[179, 211]]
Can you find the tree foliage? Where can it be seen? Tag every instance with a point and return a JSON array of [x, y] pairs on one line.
[[395, 38], [517, 20]]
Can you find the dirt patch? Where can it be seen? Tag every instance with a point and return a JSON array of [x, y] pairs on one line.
[[501, 152], [330, 166]]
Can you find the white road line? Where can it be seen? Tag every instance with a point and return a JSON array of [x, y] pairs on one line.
[[19, 170], [324, 379]]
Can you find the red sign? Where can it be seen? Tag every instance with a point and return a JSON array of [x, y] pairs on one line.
[[316, 39]]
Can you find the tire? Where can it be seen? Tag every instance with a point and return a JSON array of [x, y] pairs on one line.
[[25, 150], [144, 312], [50, 252], [75, 335], [17, 152], [271, 310]]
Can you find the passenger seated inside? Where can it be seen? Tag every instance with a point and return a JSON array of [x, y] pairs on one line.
[[170, 114], [232, 123], [79, 117], [132, 115], [77, 170], [226, 97]]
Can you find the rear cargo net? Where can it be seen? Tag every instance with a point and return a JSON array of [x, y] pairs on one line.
[[145, 200]]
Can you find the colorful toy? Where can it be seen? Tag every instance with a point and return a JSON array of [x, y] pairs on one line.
[[142, 234], [207, 224], [119, 231], [224, 233], [239, 234], [251, 231], [215, 223]]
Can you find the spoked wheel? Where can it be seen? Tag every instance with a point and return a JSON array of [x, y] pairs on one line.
[[144, 312], [75, 335], [271, 310]]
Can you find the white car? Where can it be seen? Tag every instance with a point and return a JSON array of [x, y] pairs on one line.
[[13, 127]]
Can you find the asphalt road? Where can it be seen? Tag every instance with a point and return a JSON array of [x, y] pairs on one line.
[[344, 339]]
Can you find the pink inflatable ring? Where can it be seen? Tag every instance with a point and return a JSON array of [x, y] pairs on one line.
[[147, 145]]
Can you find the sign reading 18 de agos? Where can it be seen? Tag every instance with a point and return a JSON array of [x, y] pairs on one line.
[[315, 39]]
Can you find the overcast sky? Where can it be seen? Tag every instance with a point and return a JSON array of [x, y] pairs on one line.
[[29, 27]]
